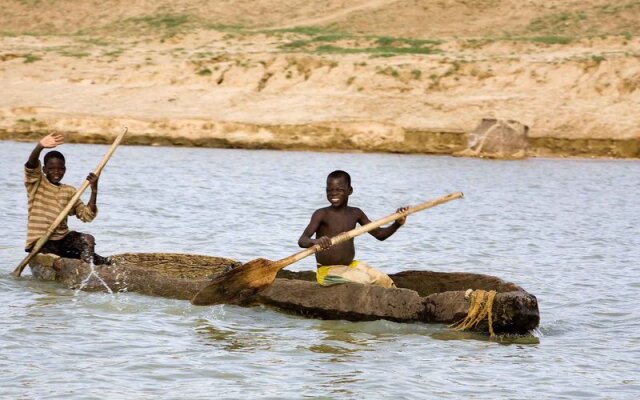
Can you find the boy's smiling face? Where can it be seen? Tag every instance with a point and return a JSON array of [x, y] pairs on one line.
[[54, 170], [338, 192]]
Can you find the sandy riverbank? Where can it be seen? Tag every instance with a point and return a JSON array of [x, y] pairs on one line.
[[181, 76]]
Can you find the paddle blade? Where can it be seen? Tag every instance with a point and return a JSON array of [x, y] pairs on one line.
[[238, 284]]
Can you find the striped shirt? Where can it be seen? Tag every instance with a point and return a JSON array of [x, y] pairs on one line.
[[45, 202]]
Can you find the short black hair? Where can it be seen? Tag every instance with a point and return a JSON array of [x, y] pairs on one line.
[[53, 154], [340, 174]]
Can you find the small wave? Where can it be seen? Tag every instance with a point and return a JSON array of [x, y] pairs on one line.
[[554, 328]]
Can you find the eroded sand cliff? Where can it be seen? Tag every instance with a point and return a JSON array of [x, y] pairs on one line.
[[399, 76]]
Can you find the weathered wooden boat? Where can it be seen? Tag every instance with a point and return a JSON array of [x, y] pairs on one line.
[[478, 302]]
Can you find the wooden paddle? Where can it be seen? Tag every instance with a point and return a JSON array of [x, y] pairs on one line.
[[246, 280], [43, 239]]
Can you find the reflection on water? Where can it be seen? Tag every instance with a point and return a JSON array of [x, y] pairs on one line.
[[328, 349], [565, 230], [233, 335], [234, 340], [501, 339]]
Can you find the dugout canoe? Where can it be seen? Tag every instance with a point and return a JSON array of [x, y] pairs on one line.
[[421, 296]]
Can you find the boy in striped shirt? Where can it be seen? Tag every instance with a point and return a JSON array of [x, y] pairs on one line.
[[47, 197]]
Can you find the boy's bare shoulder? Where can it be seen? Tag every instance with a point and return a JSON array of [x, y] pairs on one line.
[[320, 211], [354, 210]]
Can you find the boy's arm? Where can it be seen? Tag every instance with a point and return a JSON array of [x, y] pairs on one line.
[[47, 142], [306, 241], [383, 233]]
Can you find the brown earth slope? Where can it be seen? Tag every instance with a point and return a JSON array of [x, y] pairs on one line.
[[372, 75]]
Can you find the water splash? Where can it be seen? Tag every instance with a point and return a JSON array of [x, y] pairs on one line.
[[86, 280]]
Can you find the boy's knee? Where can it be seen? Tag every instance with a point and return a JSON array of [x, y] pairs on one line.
[[89, 239]]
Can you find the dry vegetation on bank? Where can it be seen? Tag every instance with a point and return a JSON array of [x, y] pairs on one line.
[[373, 75]]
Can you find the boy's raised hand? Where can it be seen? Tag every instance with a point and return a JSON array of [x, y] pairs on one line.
[[52, 140]]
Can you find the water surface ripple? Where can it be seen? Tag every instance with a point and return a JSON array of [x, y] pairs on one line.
[[565, 230]]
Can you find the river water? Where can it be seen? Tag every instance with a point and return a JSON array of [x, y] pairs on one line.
[[565, 230]]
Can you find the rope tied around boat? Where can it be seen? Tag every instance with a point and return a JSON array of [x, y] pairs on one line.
[[480, 307]]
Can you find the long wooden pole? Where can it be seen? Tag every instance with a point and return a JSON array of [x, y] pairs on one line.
[[242, 282], [343, 237], [43, 239]]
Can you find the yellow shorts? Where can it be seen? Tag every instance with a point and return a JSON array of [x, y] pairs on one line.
[[357, 271]]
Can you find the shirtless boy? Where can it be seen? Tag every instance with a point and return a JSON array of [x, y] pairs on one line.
[[336, 264]]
